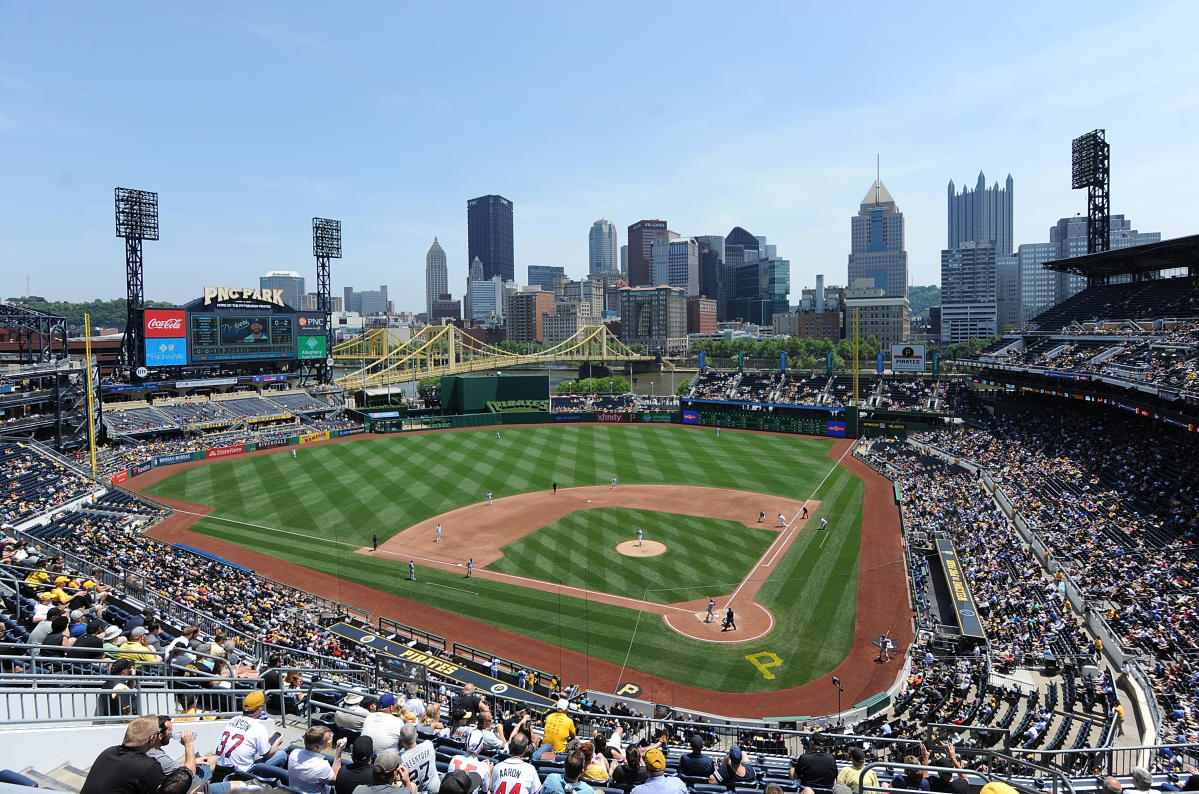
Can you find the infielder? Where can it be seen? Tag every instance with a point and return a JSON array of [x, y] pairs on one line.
[[489, 497], [470, 567], [823, 522], [437, 534]]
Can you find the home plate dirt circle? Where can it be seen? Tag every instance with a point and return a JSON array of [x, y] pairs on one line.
[[647, 548]]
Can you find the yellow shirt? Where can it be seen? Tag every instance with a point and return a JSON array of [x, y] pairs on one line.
[[853, 778], [559, 727], [136, 652]]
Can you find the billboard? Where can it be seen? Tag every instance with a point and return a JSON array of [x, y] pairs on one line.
[[241, 337], [907, 358], [166, 352], [312, 347], [164, 323]]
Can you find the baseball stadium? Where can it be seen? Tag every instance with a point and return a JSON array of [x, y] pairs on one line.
[[983, 567]]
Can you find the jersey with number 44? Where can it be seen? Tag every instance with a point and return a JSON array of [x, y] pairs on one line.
[[513, 776], [421, 762]]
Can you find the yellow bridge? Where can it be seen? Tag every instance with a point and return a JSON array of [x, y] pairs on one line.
[[374, 360]]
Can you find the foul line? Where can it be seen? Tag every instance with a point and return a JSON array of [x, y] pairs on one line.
[[780, 543]]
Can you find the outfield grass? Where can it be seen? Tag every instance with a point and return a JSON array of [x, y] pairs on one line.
[[313, 510], [707, 556]]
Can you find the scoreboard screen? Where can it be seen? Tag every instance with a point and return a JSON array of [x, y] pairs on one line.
[[241, 337]]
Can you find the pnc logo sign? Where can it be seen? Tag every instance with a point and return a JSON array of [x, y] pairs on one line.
[[164, 323]]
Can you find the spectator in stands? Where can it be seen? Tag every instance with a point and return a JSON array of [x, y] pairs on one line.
[[113, 641], [469, 760], [386, 772], [126, 768], [136, 620], [559, 729], [90, 647], [166, 730], [694, 763], [42, 627], [521, 722], [631, 771], [657, 781], [486, 732], [121, 701], [308, 768], [136, 649], [596, 769], [733, 771], [855, 776], [358, 772], [459, 782], [383, 726], [569, 780], [58, 639], [421, 759], [514, 770], [1142, 779], [7, 663], [816, 768], [256, 745], [916, 779], [947, 782], [350, 714]]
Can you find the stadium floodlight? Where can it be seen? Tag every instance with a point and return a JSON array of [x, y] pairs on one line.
[[137, 214], [1091, 169], [326, 238]]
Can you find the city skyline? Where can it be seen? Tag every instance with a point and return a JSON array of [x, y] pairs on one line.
[[236, 200]]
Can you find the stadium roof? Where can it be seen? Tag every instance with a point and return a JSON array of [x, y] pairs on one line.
[[1166, 255]]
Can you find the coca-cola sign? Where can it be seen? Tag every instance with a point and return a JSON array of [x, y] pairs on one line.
[[164, 323]]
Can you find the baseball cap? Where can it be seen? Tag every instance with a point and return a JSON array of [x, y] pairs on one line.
[[995, 787], [474, 742], [655, 760], [95, 625], [387, 700], [45, 594], [562, 704], [841, 788], [253, 701], [112, 632], [697, 742], [460, 782], [76, 614], [364, 747], [735, 753], [138, 631], [388, 760]]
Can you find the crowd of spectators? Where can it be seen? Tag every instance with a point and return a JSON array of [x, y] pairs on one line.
[[32, 483], [1115, 506]]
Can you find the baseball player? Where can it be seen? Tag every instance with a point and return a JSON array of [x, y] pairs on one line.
[[489, 497], [412, 570], [823, 522], [437, 534], [711, 611], [470, 567], [639, 537]]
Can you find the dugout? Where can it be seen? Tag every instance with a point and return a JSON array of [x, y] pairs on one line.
[[469, 394]]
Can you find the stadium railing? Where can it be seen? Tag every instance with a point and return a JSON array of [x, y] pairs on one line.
[[387, 625], [484, 658]]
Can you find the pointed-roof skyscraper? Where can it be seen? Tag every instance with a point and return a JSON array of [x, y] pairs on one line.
[[876, 242], [437, 276]]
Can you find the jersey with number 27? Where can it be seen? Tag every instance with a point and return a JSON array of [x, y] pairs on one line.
[[421, 762], [514, 776], [243, 742]]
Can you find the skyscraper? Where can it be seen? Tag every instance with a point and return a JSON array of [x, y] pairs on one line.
[[291, 282], [876, 243], [543, 276], [968, 292], [437, 276], [641, 237], [602, 247], [982, 215], [676, 262], [489, 235]]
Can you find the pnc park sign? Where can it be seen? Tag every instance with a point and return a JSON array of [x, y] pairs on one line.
[[220, 294]]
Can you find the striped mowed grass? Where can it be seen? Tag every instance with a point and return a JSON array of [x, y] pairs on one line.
[[315, 510]]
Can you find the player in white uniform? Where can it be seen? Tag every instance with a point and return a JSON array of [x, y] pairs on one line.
[[471, 762], [420, 759], [512, 775], [246, 739]]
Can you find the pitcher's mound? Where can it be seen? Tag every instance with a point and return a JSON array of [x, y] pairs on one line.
[[648, 548]]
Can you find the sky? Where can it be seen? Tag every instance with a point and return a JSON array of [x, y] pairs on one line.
[[250, 118]]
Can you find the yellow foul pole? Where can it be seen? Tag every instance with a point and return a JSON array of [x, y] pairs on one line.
[[91, 392], [855, 356]]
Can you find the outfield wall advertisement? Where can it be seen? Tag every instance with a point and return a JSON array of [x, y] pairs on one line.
[[907, 358], [221, 452], [309, 438]]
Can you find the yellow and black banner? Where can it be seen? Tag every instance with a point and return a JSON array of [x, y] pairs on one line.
[[963, 600]]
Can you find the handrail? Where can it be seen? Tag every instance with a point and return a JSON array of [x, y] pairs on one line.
[[987, 776]]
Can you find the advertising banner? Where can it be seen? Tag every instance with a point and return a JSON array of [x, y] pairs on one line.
[[879, 364], [119, 387], [690, 418], [384, 414], [164, 324], [221, 452], [702, 360], [568, 417], [609, 417], [273, 443], [120, 477], [783, 361], [836, 428], [308, 438], [353, 431], [268, 378], [907, 358], [191, 384], [178, 457], [656, 416], [312, 347], [140, 469], [166, 352]]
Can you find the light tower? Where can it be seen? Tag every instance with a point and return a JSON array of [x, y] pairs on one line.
[[1092, 170], [137, 220], [326, 245]]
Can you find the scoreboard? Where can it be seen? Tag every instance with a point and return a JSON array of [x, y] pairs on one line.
[[233, 326]]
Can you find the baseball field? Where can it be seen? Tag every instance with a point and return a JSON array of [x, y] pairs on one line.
[[562, 570]]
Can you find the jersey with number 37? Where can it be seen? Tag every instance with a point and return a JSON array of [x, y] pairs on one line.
[[421, 762], [243, 742], [514, 776]]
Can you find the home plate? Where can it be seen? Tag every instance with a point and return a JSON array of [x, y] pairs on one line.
[[588, 501]]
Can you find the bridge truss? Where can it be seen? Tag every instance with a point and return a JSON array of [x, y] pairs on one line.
[[373, 360]]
